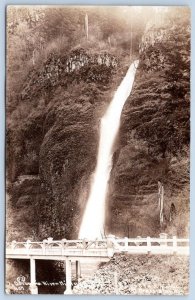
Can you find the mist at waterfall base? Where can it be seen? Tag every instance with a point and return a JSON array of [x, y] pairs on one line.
[[92, 225]]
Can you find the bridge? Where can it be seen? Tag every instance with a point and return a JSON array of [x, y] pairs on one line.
[[77, 251]]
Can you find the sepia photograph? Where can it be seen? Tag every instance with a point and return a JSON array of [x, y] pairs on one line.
[[97, 150]]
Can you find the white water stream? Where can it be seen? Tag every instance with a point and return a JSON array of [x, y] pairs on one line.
[[92, 225]]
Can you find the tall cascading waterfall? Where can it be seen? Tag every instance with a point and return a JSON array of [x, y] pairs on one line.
[[92, 225]]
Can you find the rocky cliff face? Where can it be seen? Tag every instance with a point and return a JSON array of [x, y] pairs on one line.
[[52, 151], [153, 143], [76, 65], [53, 141]]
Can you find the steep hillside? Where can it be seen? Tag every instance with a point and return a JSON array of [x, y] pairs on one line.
[[153, 143], [53, 152], [139, 275]]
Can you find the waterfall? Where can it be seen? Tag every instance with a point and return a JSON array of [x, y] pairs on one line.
[[92, 225]]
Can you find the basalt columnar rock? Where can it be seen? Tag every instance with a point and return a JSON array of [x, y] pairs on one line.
[[62, 70]]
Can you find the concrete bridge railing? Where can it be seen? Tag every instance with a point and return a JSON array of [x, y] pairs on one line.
[[76, 251], [104, 247]]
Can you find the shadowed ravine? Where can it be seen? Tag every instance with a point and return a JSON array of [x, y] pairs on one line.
[[95, 209]]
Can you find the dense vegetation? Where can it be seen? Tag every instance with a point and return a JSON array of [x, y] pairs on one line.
[[53, 113], [139, 275], [154, 137], [33, 33]]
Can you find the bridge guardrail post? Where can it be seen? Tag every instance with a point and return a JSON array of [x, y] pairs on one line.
[[28, 246], [63, 245], [126, 243], [84, 243], [13, 243], [96, 243], [149, 244], [44, 246], [174, 244]]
